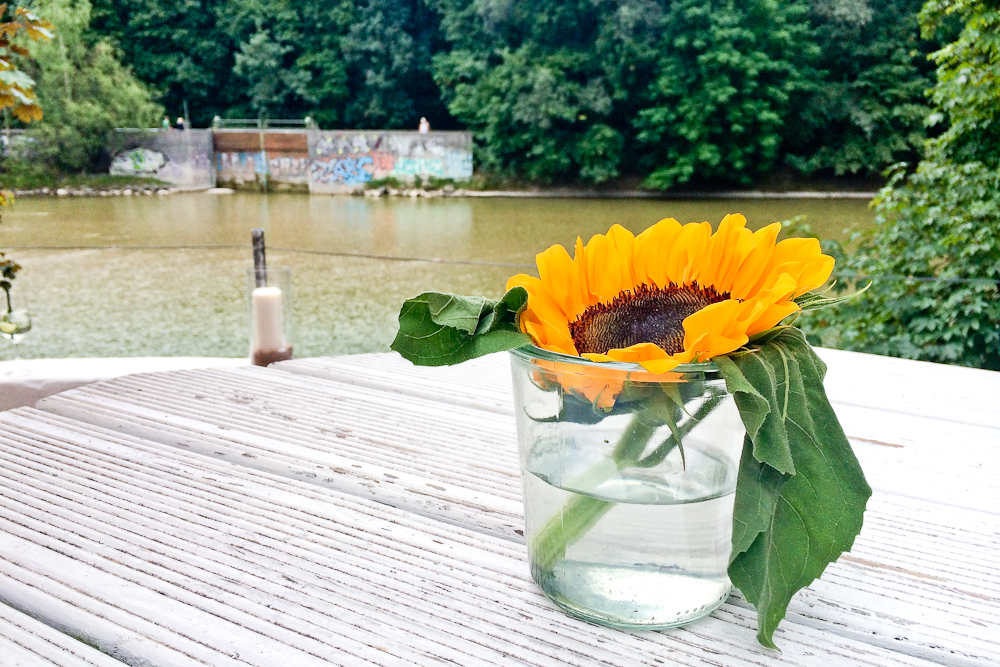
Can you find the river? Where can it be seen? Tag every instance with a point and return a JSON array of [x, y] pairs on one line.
[[165, 275]]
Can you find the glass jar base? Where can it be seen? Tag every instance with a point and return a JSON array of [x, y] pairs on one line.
[[631, 598]]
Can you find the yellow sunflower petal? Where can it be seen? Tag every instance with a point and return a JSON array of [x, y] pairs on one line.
[[683, 262], [651, 357], [609, 264], [775, 305], [714, 330], [725, 243], [652, 247], [804, 260], [752, 271], [558, 270]]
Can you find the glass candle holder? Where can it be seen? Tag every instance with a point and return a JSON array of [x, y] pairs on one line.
[[15, 316], [629, 480], [270, 308]]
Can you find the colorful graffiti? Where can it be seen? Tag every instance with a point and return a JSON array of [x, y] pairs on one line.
[[137, 162], [179, 158], [347, 171], [342, 161], [243, 167]]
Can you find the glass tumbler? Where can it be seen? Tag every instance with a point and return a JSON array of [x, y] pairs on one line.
[[629, 480]]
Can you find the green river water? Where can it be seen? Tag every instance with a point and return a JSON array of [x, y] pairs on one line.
[[165, 275]]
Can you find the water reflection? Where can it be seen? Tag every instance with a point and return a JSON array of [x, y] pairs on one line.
[[151, 298]]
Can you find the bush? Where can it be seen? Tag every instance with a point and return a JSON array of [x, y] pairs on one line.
[[935, 260], [935, 252], [86, 93]]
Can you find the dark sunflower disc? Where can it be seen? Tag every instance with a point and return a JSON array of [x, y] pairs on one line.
[[647, 314]]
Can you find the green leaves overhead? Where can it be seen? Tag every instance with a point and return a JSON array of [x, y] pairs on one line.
[[801, 494], [438, 329]]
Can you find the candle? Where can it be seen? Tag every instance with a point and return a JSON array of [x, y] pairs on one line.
[[267, 325]]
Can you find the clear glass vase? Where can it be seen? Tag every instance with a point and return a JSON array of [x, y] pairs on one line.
[[629, 480]]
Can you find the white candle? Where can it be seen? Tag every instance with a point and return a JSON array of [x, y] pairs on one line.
[[267, 331]]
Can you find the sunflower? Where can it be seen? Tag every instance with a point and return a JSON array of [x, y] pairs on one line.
[[673, 294]]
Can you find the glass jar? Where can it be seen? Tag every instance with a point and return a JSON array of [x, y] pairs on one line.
[[629, 480], [15, 316]]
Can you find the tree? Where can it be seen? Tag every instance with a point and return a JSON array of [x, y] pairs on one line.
[[176, 47], [17, 93], [260, 65], [17, 89], [548, 88], [86, 92], [728, 76], [869, 111], [935, 253], [379, 54]]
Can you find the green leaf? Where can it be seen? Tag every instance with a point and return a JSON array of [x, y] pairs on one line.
[[814, 301], [458, 312], [440, 329], [757, 489], [787, 527], [761, 399]]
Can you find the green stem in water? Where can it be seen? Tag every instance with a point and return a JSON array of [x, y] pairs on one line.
[[581, 512]]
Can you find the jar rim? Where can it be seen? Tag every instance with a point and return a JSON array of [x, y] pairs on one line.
[[534, 352]]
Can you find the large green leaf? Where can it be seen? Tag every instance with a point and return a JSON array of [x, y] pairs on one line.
[[438, 329], [788, 526], [763, 400]]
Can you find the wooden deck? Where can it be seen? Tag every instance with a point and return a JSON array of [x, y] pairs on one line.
[[359, 510]]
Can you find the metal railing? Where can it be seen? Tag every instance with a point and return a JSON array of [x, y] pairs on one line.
[[219, 123]]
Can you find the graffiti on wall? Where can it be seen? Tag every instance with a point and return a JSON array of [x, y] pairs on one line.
[[182, 159], [138, 162], [241, 167], [343, 161]]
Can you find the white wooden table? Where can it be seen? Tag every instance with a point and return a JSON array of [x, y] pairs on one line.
[[358, 510]]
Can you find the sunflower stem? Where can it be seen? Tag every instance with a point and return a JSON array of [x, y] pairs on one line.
[[581, 512]]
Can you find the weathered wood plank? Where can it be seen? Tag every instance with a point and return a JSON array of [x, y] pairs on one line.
[[429, 451], [915, 388], [921, 581], [26, 642], [209, 561]]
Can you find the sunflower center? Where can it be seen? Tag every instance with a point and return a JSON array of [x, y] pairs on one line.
[[646, 314]]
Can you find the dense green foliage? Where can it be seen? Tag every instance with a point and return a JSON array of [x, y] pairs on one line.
[[867, 109], [86, 93], [345, 64], [671, 91], [727, 76], [935, 252]]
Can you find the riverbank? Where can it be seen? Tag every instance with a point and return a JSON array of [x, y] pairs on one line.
[[45, 184], [569, 193], [86, 191], [422, 193]]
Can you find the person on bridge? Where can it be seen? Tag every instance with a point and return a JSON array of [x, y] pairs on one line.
[[424, 126]]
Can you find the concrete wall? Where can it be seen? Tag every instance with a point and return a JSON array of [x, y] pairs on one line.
[[181, 158], [239, 162], [318, 161], [343, 161]]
